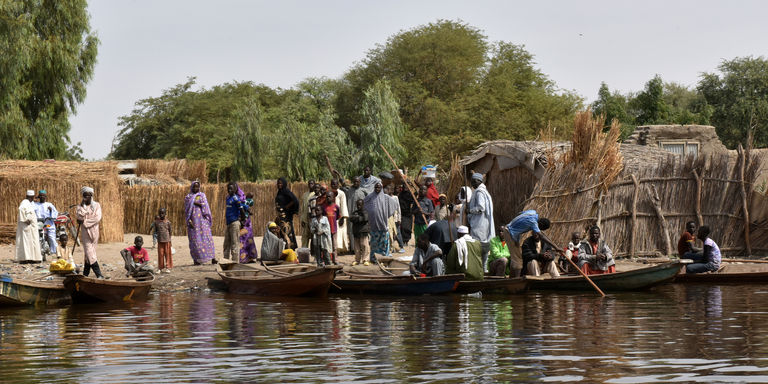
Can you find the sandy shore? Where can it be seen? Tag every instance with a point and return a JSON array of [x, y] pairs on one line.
[[184, 275]]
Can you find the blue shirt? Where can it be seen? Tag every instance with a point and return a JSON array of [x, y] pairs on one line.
[[233, 209], [526, 221]]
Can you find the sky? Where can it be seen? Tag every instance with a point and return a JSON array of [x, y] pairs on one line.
[[151, 45]]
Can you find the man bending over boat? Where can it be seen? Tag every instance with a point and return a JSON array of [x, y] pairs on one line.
[[709, 259], [427, 258], [595, 258], [525, 222]]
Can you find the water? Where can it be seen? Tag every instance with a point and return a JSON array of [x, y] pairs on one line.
[[673, 334]]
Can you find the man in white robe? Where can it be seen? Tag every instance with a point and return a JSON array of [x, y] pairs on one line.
[[480, 217], [27, 238], [88, 218], [342, 236]]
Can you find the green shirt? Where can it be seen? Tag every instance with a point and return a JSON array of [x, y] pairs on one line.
[[498, 250]]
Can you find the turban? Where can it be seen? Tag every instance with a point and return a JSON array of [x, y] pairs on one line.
[[86, 189], [477, 176], [463, 229], [42, 192], [30, 192]]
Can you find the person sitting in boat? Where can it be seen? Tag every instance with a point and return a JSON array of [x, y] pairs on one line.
[[709, 259], [595, 257], [137, 252], [498, 259], [427, 258], [571, 252], [538, 257], [272, 245], [465, 256], [685, 248], [525, 222]]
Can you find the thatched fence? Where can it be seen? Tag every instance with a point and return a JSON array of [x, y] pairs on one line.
[[63, 180], [142, 203], [644, 211]]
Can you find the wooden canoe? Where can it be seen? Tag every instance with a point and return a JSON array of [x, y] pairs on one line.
[[18, 292], [283, 280], [731, 272], [637, 279], [493, 285], [396, 285], [91, 290]]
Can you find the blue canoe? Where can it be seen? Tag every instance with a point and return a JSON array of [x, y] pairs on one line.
[[396, 285], [637, 279], [16, 292]]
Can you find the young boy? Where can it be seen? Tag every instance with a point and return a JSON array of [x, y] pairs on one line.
[[321, 237], [163, 230], [153, 232], [62, 252], [360, 232], [139, 254], [331, 211]]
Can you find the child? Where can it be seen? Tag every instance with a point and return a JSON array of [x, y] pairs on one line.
[[153, 232], [62, 252], [321, 237], [139, 254], [360, 231], [331, 211], [163, 230], [248, 203]]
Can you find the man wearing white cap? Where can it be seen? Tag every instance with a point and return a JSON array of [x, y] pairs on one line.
[[466, 256], [480, 216], [88, 218], [47, 213], [27, 238]]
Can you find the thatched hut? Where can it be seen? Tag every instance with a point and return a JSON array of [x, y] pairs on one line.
[[63, 180]]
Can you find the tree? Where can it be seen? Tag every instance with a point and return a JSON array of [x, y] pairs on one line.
[[738, 97], [382, 127], [247, 163], [49, 53], [648, 107], [686, 105], [612, 105]]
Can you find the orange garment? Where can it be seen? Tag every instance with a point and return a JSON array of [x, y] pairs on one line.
[[589, 271]]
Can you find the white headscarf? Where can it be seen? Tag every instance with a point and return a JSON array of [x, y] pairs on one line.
[[86, 189]]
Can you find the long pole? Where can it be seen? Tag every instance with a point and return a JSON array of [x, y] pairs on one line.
[[406, 184], [582, 273]]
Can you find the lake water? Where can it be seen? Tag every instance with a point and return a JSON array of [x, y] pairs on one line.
[[672, 334]]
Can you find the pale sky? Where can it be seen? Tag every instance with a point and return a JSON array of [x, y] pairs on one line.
[[148, 46]]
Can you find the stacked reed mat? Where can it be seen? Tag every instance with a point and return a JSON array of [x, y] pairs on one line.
[[63, 180], [142, 203], [172, 170]]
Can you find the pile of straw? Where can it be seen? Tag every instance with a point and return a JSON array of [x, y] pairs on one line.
[[142, 203], [595, 151], [63, 180], [7, 233], [178, 170]]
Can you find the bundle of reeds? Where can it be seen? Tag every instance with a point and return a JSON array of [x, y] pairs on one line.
[[63, 180], [595, 151], [7, 233], [179, 170], [456, 178]]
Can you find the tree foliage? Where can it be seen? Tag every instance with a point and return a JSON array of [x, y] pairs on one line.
[[382, 127], [738, 98], [48, 56]]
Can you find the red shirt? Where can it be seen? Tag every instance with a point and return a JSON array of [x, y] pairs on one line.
[[332, 212], [139, 256], [685, 243], [433, 195]]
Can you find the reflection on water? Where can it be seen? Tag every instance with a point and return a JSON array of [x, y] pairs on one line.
[[675, 333]]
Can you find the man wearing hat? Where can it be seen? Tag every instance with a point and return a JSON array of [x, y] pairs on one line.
[[480, 216], [466, 256], [27, 238], [88, 218], [47, 213]]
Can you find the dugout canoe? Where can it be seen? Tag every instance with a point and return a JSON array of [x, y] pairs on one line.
[[85, 289], [733, 272], [637, 279], [282, 280], [396, 285], [19, 292], [493, 285]]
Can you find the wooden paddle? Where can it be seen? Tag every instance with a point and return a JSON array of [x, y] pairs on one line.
[[580, 271], [406, 184]]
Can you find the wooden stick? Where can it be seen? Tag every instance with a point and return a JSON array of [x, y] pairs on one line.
[[634, 230], [581, 272], [745, 208], [656, 200], [724, 260], [423, 216], [699, 183], [77, 236]]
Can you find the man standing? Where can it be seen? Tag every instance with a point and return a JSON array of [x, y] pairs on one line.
[[353, 193], [368, 181], [88, 218], [47, 213], [304, 213], [27, 238], [232, 235], [406, 213], [480, 217], [525, 222], [379, 208], [424, 210], [341, 235]]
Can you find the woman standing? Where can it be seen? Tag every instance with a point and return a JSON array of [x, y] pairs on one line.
[[198, 214], [288, 204], [248, 252]]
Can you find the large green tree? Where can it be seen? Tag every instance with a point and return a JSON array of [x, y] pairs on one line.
[[48, 56], [382, 127], [738, 96]]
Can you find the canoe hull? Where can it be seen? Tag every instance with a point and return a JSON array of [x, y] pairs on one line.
[[313, 283], [637, 279], [500, 285], [15, 292], [397, 285], [89, 290], [723, 278]]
